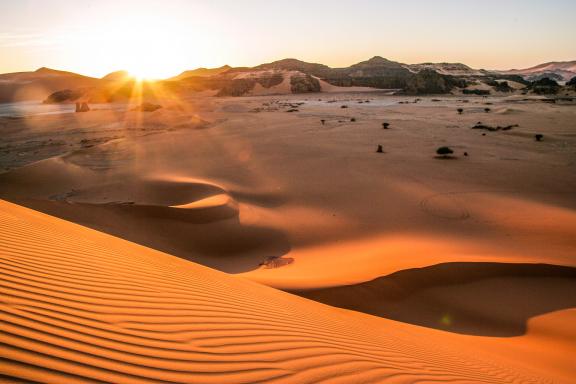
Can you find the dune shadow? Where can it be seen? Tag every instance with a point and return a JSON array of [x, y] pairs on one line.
[[485, 299], [193, 220]]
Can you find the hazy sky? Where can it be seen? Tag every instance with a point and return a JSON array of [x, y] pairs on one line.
[[164, 37]]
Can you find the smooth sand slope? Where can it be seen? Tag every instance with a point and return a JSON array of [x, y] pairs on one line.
[[290, 186], [79, 306]]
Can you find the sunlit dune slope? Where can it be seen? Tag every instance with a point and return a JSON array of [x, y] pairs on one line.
[[79, 306]]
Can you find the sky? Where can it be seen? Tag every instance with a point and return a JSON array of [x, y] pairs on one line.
[[161, 38]]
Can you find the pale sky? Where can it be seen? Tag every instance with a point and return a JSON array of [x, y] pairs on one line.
[[160, 38]]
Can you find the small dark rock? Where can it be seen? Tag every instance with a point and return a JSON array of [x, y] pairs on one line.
[[444, 152], [82, 107]]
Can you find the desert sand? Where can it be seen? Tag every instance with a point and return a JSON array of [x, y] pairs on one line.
[[459, 269]]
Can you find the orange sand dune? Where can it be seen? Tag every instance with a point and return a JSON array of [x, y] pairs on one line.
[[305, 195], [79, 306]]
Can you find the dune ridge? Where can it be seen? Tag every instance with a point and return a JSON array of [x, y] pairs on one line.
[[107, 310]]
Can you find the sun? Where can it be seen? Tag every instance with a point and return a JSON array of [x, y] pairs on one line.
[[150, 41]]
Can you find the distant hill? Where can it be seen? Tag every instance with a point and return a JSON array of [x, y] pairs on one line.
[[201, 72], [117, 76], [293, 65], [558, 70], [282, 77], [37, 85], [452, 69]]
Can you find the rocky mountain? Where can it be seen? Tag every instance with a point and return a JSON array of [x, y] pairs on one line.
[[376, 72], [283, 77], [556, 70], [452, 69], [292, 65], [37, 85]]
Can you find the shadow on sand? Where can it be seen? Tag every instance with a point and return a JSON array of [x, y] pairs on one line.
[[487, 299]]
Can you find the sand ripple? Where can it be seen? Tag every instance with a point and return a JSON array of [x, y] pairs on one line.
[[78, 306]]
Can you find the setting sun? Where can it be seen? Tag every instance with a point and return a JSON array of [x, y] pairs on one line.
[[150, 43]]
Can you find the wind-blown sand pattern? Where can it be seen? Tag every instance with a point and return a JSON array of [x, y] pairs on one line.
[[437, 270], [79, 306]]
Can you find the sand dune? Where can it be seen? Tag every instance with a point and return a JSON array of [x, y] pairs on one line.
[[301, 204], [79, 306], [489, 299]]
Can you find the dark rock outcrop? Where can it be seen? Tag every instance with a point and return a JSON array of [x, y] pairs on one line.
[[428, 81], [66, 95], [304, 84], [82, 107], [545, 86], [500, 86]]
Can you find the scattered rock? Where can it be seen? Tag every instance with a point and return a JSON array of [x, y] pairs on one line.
[[479, 125], [444, 152], [276, 262], [148, 107], [82, 107]]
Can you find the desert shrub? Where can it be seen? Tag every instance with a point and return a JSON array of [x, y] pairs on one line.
[[353, 119], [344, 106], [385, 125], [444, 151], [538, 137], [487, 110], [460, 110], [380, 149], [479, 92]]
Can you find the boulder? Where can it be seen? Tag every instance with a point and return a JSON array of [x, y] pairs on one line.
[[304, 84]]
